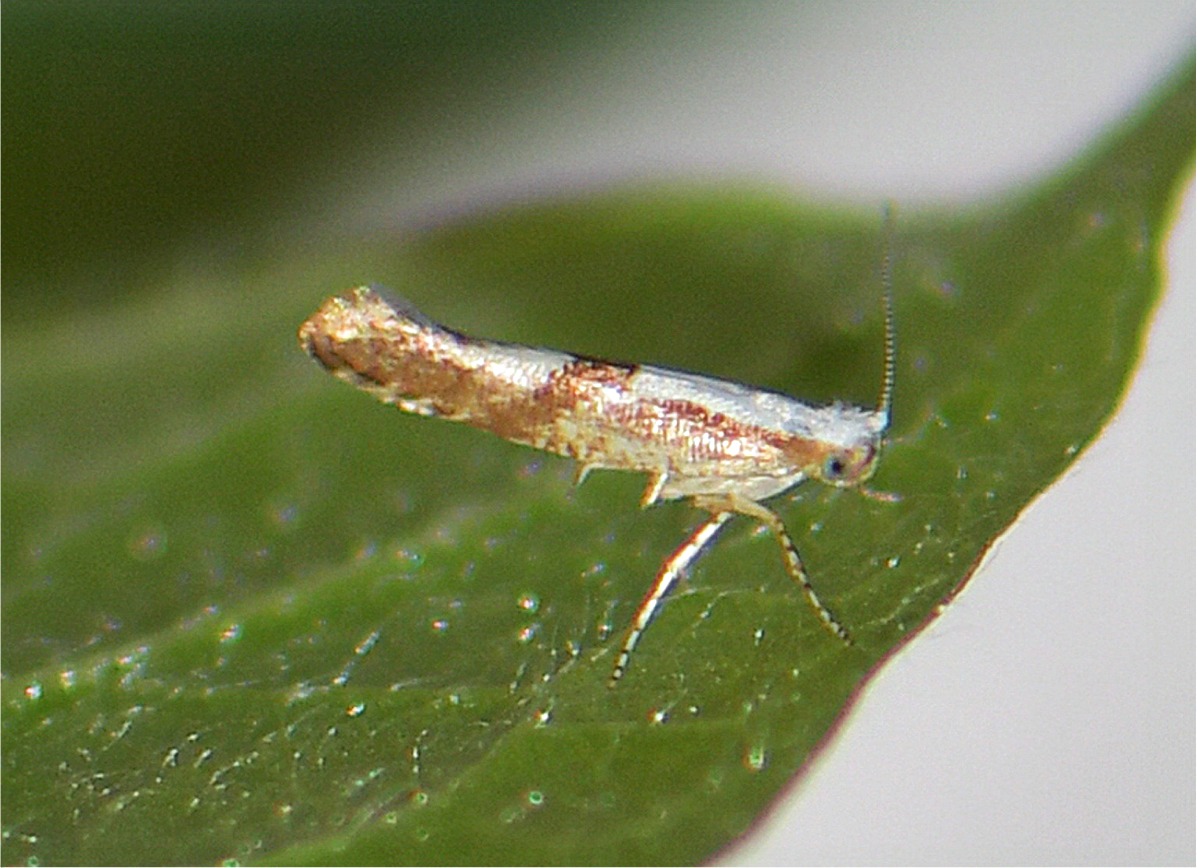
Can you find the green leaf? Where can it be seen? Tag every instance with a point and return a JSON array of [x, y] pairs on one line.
[[252, 615]]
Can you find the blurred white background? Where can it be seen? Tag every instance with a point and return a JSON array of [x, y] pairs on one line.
[[1048, 716]]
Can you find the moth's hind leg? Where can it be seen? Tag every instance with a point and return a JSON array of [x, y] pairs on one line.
[[673, 568], [789, 551]]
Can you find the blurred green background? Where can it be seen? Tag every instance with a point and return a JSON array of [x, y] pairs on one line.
[[141, 136]]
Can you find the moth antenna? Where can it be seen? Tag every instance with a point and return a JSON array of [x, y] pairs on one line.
[[887, 282]]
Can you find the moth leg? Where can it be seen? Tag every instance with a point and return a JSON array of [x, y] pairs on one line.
[[581, 471], [656, 483], [789, 551], [673, 567]]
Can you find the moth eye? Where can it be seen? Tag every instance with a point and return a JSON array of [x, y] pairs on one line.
[[833, 467]]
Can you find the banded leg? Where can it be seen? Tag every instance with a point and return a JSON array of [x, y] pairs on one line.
[[675, 565], [789, 553]]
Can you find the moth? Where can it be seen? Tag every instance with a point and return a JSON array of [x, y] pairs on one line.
[[725, 446]]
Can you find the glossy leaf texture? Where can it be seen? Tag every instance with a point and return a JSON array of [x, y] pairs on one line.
[[251, 615]]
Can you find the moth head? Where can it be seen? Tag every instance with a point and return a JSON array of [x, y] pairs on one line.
[[847, 466]]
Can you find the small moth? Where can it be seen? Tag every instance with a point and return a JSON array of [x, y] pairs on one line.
[[724, 445]]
